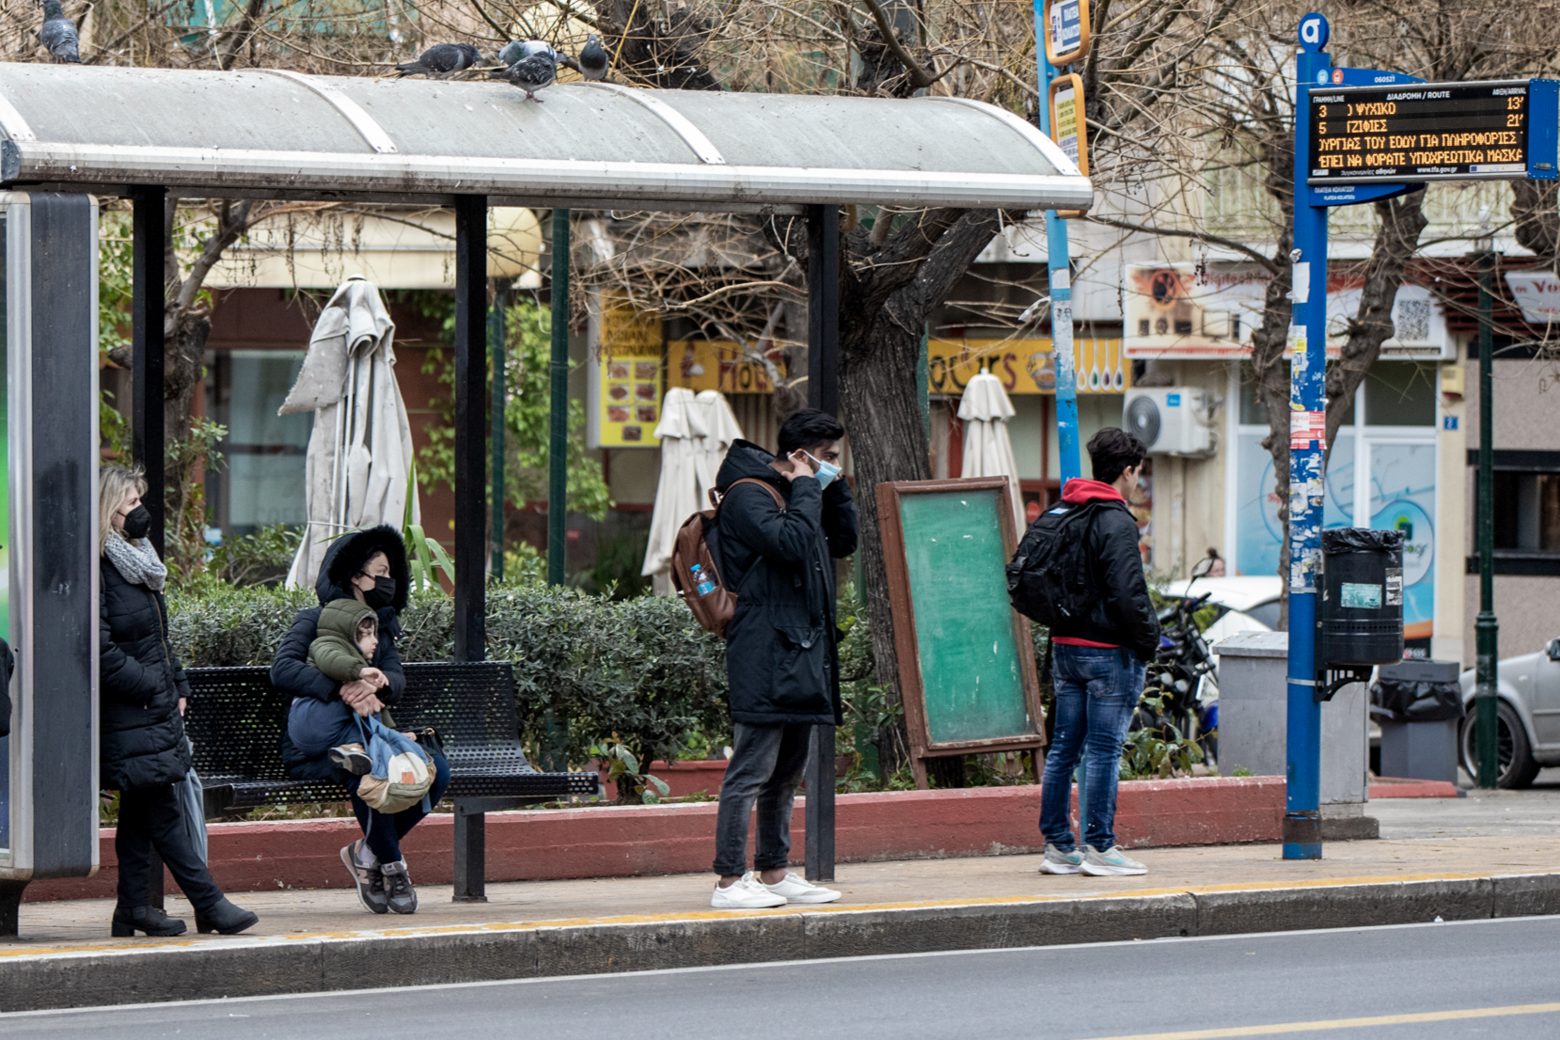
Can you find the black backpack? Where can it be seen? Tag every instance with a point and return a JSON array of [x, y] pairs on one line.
[[1048, 578]]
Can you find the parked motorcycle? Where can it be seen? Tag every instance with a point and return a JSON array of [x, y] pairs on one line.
[[1181, 687]]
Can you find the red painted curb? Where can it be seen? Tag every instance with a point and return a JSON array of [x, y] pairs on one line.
[[623, 841], [1404, 787]]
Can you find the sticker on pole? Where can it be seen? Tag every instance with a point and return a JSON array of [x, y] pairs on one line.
[[1066, 31], [1306, 427]]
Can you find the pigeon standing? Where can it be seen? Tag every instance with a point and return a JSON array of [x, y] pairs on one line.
[[531, 73], [59, 33], [519, 50], [592, 60], [442, 59]]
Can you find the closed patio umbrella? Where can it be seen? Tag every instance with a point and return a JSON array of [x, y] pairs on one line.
[[678, 494], [359, 460], [988, 447], [720, 431]]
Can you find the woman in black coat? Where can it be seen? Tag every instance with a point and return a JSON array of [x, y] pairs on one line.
[[144, 751], [369, 566]]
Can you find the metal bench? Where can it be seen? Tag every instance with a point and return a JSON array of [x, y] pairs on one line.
[[236, 719]]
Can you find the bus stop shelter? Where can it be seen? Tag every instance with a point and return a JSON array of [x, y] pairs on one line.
[[72, 132]]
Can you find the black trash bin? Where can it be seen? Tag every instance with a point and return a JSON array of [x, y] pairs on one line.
[[1362, 597], [1419, 707]]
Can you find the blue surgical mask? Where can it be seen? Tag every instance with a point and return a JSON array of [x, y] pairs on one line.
[[827, 471]]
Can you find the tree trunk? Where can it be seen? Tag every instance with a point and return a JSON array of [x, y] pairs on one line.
[[879, 399]]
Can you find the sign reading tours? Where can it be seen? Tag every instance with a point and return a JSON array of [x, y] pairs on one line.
[[1432, 131]]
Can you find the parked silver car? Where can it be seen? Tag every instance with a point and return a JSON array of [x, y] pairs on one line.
[[1528, 731]]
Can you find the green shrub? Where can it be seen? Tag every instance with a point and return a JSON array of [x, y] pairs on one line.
[[639, 670]]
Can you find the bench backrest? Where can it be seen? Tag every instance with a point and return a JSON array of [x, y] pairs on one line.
[[236, 717]]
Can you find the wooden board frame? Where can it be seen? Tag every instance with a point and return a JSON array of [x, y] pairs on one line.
[[906, 643]]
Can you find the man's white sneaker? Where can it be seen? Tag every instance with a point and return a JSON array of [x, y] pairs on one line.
[[797, 889], [746, 893], [1110, 862], [1055, 861]]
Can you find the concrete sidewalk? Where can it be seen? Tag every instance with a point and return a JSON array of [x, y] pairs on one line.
[[1488, 855]]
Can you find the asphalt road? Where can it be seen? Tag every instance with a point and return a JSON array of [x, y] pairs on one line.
[[1415, 982]]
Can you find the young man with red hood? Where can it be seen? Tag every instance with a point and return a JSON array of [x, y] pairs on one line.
[[1098, 662]]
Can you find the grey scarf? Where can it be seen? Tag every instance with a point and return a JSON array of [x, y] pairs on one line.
[[136, 560]]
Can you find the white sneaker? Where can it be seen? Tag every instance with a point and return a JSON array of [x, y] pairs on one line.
[[797, 889], [1109, 863], [746, 893]]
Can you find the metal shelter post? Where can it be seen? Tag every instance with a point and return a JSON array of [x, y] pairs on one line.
[[1307, 458], [470, 495], [1486, 627], [823, 392], [148, 306], [49, 797], [498, 334], [558, 409]]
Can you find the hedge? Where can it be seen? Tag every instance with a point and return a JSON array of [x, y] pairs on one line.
[[587, 668]]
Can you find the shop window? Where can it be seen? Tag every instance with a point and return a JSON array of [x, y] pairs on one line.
[[1527, 511], [1400, 393], [262, 480]]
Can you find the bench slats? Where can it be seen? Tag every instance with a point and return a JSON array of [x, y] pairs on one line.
[[236, 719]]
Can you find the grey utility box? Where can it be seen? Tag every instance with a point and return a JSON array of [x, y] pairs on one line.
[[1254, 721], [1418, 705]]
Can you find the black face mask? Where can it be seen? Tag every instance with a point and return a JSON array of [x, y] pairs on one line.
[[382, 594], [138, 522]]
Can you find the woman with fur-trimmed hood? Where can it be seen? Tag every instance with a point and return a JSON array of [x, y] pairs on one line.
[[369, 566]]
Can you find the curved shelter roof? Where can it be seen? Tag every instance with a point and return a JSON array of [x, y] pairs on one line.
[[283, 134]]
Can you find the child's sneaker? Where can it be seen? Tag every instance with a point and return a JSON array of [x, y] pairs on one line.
[[352, 758], [1055, 861]]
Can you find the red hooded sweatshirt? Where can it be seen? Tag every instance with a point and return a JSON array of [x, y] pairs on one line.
[[1076, 493]]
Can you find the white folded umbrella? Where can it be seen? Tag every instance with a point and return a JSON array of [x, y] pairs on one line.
[[988, 447]]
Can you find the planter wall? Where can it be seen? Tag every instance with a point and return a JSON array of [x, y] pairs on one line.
[[621, 841]]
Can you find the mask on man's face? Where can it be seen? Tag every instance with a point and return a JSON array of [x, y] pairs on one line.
[[827, 471]]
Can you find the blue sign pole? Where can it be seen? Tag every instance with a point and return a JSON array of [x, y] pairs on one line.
[[1307, 443], [1058, 262]]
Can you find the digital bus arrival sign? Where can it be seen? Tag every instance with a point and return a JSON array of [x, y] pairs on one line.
[[1497, 129]]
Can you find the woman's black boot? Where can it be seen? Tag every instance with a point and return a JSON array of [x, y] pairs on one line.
[[225, 918], [148, 919]]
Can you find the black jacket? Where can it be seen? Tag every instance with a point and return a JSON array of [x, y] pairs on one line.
[[291, 672], [1123, 615], [140, 682], [782, 662]]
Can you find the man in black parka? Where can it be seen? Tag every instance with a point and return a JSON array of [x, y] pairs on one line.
[[782, 661]]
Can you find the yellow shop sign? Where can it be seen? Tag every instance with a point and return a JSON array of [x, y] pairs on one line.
[[1025, 366]]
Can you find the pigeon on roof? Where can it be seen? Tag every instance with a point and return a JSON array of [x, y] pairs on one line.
[[442, 59], [532, 73], [592, 60], [58, 33], [517, 50]]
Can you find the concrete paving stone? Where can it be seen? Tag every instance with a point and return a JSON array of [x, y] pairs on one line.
[[1491, 853], [1527, 895], [1343, 906]]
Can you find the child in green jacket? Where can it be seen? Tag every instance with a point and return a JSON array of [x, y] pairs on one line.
[[347, 636]]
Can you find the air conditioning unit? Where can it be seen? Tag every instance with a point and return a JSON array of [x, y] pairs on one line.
[[1171, 420]]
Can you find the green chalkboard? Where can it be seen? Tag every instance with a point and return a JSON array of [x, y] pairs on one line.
[[970, 667]]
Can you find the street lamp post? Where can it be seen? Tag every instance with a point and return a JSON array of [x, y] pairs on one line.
[[1486, 627]]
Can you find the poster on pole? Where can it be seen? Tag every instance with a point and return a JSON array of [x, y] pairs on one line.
[[1066, 31], [1068, 128]]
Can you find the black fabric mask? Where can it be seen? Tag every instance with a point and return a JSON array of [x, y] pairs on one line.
[[382, 594], [138, 522]]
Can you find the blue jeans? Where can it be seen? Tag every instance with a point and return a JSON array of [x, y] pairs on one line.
[[383, 831], [1096, 693]]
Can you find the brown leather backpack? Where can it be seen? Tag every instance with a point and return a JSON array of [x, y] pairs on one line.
[[695, 570]]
